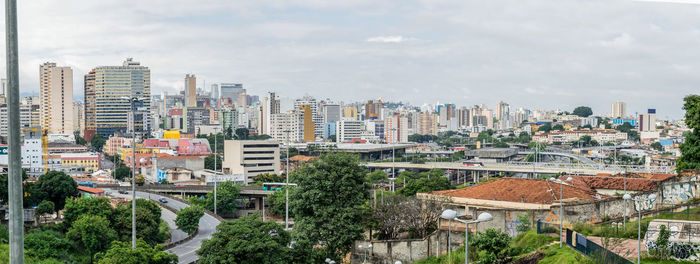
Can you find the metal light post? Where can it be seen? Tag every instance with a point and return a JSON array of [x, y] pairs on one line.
[[561, 210], [216, 176], [393, 164], [483, 217], [286, 187], [329, 261], [133, 101], [449, 215], [651, 199], [14, 183]]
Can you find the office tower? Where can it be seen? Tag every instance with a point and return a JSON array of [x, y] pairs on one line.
[[4, 86], [446, 112], [309, 125], [647, 122], [618, 109], [214, 93], [78, 117], [56, 95], [106, 110], [190, 90], [331, 113], [230, 90]]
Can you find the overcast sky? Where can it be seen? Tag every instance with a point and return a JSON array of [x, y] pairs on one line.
[[529, 53]]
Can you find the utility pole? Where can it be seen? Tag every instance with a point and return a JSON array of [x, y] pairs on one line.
[[14, 183], [133, 174], [216, 176]]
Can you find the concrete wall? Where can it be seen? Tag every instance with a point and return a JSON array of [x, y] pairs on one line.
[[405, 250]]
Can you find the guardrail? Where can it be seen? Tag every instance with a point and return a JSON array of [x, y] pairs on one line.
[[176, 243]]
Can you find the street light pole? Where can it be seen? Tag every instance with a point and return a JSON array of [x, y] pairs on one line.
[[452, 215], [216, 176], [14, 183], [132, 101], [393, 164], [561, 209], [286, 187], [651, 199]]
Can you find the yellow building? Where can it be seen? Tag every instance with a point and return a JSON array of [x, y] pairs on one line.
[[86, 161], [171, 134], [309, 126], [350, 112]]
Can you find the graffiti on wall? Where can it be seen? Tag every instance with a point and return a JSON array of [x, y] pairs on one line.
[[512, 227], [643, 202], [678, 192], [683, 238]]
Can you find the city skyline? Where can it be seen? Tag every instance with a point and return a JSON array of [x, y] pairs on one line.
[[554, 56]]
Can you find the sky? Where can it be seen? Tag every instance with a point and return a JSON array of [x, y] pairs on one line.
[[536, 54]]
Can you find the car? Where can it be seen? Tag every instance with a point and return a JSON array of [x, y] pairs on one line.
[[123, 192], [163, 200]]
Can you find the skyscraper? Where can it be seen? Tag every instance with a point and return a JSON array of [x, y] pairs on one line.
[[56, 98], [309, 125], [647, 122], [230, 90], [78, 117], [190, 90], [106, 110], [618, 109]]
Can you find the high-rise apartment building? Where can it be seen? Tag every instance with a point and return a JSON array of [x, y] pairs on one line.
[[309, 125], [396, 129], [190, 90], [56, 98], [286, 126], [618, 109], [78, 117], [647, 122], [428, 124], [347, 130], [316, 116], [270, 106], [350, 112], [106, 110]]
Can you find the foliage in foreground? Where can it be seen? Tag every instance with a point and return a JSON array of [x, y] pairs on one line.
[[188, 218]]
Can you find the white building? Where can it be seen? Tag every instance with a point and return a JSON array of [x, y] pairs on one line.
[[346, 130], [251, 157], [283, 122]]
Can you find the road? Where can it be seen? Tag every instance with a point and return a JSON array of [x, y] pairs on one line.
[[185, 252]]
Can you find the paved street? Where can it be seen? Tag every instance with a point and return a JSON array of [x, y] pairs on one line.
[[185, 252]]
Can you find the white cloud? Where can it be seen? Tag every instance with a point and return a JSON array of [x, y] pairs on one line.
[[621, 40], [387, 39]]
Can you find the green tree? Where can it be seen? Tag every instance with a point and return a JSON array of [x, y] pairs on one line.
[[209, 162], [690, 149], [662, 239], [426, 182], [28, 200], [376, 177], [583, 111], [246, 240], [75, 208], [78, 139], [92, 233], [148, 222], [55, 186], [227, 195], [188, 218], [44, 208], [121, 253], [328, 202], [545, 128], [657, 146], [48, 244], [493, 242], [97, 142], [267, 177], [122, 173], [558, 127], [277, 202], [241, 134]]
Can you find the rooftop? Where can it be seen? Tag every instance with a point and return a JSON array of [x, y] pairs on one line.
[[89, 189], [613, 183], [520, 190]]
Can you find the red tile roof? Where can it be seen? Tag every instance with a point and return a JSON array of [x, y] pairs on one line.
[[613, 183], [520, 190], [89, 189]]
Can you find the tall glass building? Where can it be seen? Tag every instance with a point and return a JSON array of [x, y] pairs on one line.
[[106, 111]]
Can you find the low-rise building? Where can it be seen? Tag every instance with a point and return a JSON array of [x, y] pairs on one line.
[[251, 157]]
